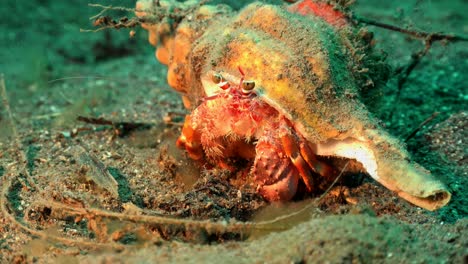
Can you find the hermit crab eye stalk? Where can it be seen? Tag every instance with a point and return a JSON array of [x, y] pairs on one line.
[[247, 87]]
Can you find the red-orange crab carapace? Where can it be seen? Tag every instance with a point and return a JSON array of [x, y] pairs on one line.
[[310, 67], [236, 123]]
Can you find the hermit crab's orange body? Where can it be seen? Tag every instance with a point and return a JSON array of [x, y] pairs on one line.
[[236, 123], [309, 67]]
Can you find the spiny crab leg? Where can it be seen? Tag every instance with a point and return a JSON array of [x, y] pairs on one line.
[[276, 176], [303, 158], [317, 166], [292, 151]]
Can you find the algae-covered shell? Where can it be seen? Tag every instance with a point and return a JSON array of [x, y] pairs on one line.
[[310, 71]]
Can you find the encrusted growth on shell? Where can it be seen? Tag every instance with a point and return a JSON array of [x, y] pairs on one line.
[[310, 71]]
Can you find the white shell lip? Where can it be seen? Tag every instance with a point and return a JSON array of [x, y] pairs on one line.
[[410, 181], [351, 149]]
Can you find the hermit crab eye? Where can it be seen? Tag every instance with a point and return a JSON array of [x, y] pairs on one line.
[[220, 81], [248, 85], [217, 78]]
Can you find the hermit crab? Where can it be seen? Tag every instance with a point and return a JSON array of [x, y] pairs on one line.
[[307, 67]]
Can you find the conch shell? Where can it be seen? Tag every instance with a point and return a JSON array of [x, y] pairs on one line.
[[310, 68]]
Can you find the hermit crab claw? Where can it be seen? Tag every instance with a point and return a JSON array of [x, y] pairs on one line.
[[387, 162]]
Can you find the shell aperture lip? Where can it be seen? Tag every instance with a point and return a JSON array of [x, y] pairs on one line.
[[409, 180], [351, 149]]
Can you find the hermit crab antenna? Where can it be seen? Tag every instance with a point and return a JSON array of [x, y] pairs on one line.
[[242, 75], [241, 71]]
